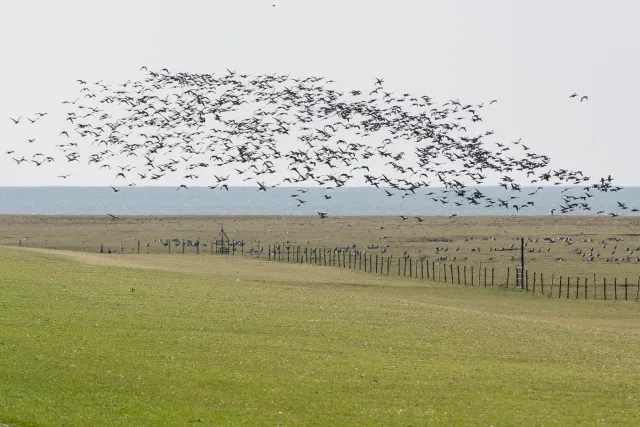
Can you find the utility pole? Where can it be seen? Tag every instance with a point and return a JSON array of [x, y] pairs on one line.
[[522, 262]]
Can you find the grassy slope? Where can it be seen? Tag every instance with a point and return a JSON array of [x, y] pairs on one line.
[[78, 346]]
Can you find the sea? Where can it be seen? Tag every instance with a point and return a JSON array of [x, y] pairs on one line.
[[345, 201]]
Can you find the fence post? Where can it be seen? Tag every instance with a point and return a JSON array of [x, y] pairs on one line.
[[472, 276], [138, 247], [197, 247], [560, 288], [451, 271], [120, 248], [615, 288], [638, 291], [388, 266], [376, 263], [551, 291], [445, 273], [577, 287], [169, 245], [433, 270], [428, 269], [625, 289], [542, 282], [465, 275], [410, 266], [586, 287], [492, 276], [534, 282], [183, 246], [269, 253], [526, 280], [508, 272], [604, 281], [485, 277], [568, 286]]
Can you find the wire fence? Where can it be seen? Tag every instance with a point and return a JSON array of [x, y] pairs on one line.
[[435, 269]]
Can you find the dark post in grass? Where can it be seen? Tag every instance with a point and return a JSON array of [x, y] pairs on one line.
[[586, 287], [638, 291], [604, 281], [542, 283], [577, 287], [376, 263], [388, 266], [492, 276], [183, 246], [398, 266], [522, 273], [465, 275], [568, 286], [534, 282], [508, 272], [458, 268], [625, 289], [138, 247], [197, 247], [472, 275], [615, 288], [445, 273], [451, 272], [560, 288], [269, 253], [485, 277]]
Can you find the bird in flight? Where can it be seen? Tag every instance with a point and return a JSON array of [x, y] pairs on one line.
[[15, 121], [64, 176], [584, 98], [113, 217], [323, 215], [115, 190]]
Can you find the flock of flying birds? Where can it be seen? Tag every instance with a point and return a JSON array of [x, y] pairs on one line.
[[207, 126]]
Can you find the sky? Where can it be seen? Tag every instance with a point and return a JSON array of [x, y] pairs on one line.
[[529, 55]]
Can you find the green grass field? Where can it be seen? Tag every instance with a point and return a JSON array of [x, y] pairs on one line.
[[88, 339], [478, 242]]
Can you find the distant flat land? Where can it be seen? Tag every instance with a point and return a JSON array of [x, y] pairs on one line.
[[159, 339], [481, 242]]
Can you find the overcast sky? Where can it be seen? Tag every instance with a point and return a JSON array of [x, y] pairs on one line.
[[529, 55]]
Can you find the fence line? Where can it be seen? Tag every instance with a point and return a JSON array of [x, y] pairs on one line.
[[436, 269]]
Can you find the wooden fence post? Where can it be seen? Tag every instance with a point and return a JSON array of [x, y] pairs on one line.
[[586, 287], [615, 288], [485, 277], [398, 266], [508, 271], [472, 275], [534, 282], [428, 269], [526, 280], [568, 286], [542, 282], [560, 288], [445, 273], [492, 276], [422, 269], [465, 275], [625, 289], [458, 268], [138, 247]]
